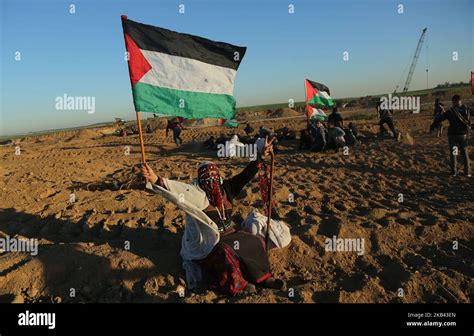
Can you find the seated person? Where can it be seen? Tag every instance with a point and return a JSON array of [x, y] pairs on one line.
[[248, 129], [305, 140], [351, 134], [319, 136], [220, 140], [354, 129], [335, 137], [210, 143]]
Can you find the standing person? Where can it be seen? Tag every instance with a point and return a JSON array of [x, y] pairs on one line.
[[459, 118], [336, 119], [212, 242], [176, 126], [385, 116], [438, 112]]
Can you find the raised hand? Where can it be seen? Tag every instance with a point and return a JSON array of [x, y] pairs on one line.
[[148, 173], [267, 148]]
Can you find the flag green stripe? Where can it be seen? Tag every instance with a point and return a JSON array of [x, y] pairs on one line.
[[180, 103], [321, 101]]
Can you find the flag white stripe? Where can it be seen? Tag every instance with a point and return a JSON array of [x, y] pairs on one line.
[[181, 73], [323, 94], [318, 112]]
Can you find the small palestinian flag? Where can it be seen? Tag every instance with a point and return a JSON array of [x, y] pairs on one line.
[[472, 83], [317, 94], [315, 113], [180, 74]]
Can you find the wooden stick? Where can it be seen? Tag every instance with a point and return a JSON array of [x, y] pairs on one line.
[[270, 201], [140, 132], [139, 122]]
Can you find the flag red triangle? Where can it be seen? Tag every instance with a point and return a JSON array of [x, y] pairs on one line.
[[137, 63], [310, 91]]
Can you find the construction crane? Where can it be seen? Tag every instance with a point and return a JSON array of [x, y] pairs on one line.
[[413, 62]]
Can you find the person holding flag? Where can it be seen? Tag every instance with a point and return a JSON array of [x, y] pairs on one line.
[[232, 259], [188, 76]]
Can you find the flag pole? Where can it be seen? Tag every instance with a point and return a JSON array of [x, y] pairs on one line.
[[140, 132], [270, 202], [139, 123]]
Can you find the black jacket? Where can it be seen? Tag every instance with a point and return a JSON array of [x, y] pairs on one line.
[[459, 120], [336, 119]]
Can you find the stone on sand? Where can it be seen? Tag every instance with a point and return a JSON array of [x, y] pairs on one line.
[[407, 139]]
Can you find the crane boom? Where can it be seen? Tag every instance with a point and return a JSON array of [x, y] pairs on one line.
[[415, 59]]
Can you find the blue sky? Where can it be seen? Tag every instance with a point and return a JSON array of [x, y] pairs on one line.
[[81, 54]]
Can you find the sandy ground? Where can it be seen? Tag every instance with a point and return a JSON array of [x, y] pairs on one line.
[[114, 245]]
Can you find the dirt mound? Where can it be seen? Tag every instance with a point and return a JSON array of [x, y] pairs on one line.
[[201, 122], [84, 134], [107, 130], [284, 113], [157, 123]]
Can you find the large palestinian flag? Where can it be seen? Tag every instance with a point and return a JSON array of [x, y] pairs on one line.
[[180, 74], [317, 94]]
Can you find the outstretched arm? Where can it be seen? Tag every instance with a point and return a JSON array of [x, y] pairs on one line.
[[235, 184]]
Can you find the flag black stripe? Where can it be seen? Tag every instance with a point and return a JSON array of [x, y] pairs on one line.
[[166, 41], [319, 86]]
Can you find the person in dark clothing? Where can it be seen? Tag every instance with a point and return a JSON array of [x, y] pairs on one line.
[[459, 118], [349, 136], [176, 126], [210, 143], [221, 140], [319, 135], [352, 134], [438, 112], [386, 118], [336, 119], [354, 129], [239, 257], [305, 140], [248, 130], [265, 132]]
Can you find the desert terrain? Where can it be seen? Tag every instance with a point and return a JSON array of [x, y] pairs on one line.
[[119, 243]]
